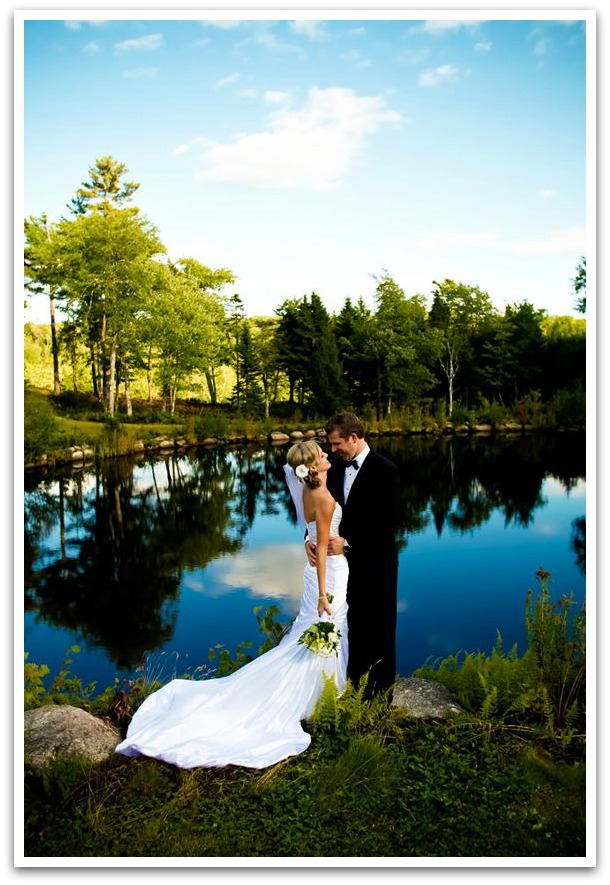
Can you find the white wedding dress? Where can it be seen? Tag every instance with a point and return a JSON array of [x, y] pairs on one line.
[[253, 716]]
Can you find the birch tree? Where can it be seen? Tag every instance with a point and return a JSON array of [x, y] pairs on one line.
[[459, 312]]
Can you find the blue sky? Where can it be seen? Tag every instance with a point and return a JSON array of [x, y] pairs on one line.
[[312, 153]]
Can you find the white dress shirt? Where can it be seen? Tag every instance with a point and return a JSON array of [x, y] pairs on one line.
[[351, 473]]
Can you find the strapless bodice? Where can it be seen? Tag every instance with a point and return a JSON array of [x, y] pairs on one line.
[[334, 524]]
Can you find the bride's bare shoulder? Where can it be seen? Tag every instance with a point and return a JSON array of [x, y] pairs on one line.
[[323, 501], [319, 498]]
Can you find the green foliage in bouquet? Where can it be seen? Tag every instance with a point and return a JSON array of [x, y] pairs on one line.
[[321, 638]]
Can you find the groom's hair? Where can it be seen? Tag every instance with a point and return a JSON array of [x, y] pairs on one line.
[[345, 423]]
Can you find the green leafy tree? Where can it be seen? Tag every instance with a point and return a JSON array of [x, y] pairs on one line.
[[293, 342], [105, 190], [460, 313], [210, 283], [43, 274], [247, 392], [263, 331], [564, 353], [580, 286], [352, 332], [405, 345], [513, 352], [103, 259], [308, 354], [107, 270], [180, 326], [327, 388]]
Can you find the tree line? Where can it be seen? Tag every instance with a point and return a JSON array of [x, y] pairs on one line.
[[131, 313]]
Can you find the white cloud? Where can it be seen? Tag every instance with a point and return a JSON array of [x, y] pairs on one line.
[[150, 41], [483, 46], [547, 193], [413, 57], [311, 147], [552, 243], [226, 81], [315, 30], [438, 75], [180, 149], [262, 35], [141, 73], [74, 24], [273, 96], [223, 24], [440, 27], [91, 48], [439, 242], [543, 46], [258, 571], [249, 93], [355, 58]]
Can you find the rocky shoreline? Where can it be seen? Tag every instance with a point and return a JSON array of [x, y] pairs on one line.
[[79, 455]]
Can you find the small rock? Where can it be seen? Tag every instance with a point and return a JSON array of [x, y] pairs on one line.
[[424, 698]]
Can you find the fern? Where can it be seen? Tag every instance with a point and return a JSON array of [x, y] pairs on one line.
[[545, 687], [490, 704], [325, 715]]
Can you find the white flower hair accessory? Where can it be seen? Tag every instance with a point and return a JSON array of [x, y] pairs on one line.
[[301, 471]]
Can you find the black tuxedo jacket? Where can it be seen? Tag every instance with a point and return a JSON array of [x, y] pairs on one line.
[[369, 523]]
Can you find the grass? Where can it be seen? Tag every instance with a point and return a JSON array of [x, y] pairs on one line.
[[92, 432], [429, 790]]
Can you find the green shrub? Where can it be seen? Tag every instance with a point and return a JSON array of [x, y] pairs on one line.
[[491, 412], [41, 431], [34, 690], [570, 408], [460, 414], [210, 424], [440, 412], [530, 410]]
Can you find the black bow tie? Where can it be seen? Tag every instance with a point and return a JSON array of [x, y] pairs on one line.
[[353, 463]]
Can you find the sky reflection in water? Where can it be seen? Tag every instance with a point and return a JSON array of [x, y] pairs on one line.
[[457, 588]]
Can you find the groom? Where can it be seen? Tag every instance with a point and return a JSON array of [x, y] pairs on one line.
[[367, 487]]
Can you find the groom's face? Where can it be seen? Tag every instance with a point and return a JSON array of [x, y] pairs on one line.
[[344, 447]]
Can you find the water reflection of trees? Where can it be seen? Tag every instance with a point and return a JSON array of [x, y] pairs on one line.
[[578, 542], [106, 548], [127, 537], [459, 482]]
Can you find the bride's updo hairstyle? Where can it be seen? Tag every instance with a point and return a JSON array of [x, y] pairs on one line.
[[305, 454]]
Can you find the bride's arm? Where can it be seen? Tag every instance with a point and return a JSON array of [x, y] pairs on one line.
[[324, 512]]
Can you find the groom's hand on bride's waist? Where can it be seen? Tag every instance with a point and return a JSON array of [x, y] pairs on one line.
[[336, 546], [310, 550]]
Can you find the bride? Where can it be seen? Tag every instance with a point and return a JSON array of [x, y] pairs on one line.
[[253, 716]]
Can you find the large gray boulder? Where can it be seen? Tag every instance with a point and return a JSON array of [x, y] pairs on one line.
[[61, 730], [423, 698]]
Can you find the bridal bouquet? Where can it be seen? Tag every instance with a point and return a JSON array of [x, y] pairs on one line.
[[321, 638]]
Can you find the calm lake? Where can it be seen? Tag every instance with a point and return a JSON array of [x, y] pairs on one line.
[[159, 559]]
